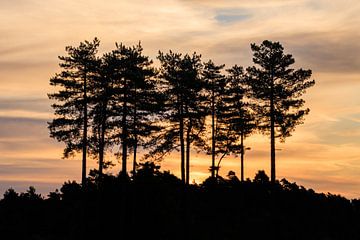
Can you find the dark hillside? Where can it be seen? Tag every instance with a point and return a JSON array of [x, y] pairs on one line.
[[159, 206]]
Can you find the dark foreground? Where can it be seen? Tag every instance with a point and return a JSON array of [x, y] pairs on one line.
[[155, 205]]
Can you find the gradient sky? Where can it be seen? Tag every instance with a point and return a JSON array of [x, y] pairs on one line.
[[323, 154]]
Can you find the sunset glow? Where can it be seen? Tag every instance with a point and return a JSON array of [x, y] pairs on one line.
[[323, 153]]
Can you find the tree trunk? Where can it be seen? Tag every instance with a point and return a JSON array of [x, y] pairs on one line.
[[124, 134], [134, 161], [102, 140], [84, 145], [272, 132], [124, 147], [135, 132], [101, 157], [182, 144], [212, 134], [135, 151], [218, 165], [188, 142], [242, 156]]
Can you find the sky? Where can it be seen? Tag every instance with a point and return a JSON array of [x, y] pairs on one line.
[[323, 153]]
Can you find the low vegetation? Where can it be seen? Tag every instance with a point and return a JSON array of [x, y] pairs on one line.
[[154, 204]]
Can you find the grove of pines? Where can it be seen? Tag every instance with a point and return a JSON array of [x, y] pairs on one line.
[[122, 100]]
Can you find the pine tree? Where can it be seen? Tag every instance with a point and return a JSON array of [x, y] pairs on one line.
[[277, 88], [215, 88], [231, 118], [146, 102], [133, 102], [240, 113], [70, 124], [101, 114], [184, 114]]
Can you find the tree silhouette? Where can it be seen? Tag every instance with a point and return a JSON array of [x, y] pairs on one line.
[[70, 124], [10, 195], [146, 101], [31, 195], [122, 100], [101, 97], [133, 99], [184, 115], [261, 177], [231, 117], [125, 101], [118, 98], [278, 89], [240, 115], [215, 86]]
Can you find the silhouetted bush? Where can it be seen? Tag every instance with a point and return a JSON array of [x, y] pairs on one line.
[[10, 195], [30, 195], [54, 196], [261, 177], [71, 191]]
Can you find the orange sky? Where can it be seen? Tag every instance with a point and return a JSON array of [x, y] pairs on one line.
[[323, 154]]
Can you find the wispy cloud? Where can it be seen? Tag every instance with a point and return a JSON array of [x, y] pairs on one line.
[[29, 105], [229, 16]]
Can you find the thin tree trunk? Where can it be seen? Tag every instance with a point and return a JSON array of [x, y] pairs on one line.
[[242, 156], [182, 145], [124, 146], [188, 142], [135, 147], [212, 134], [84, 145], [135, 132], [102, 140], [218, 165], [272, 132], [101, 157], [124, 134], [101, 162], [134, 161]]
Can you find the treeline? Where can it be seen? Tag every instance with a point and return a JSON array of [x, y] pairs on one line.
[[155, 204], [121, 99]]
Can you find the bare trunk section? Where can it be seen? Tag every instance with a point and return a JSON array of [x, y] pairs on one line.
[[84, 145], [212, 134], [188, 143], [182, 144], [102, 139], [218, 165], [124, 133], [124, 145], [135, 133], [242, 156], [134, 161], [272, 132]]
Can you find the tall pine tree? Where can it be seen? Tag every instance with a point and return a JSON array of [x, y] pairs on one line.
[[240, 114], [70, 124], [278, 89], [134, 100], [215, 89], [146, 102], [183, 114], [101, 114], [231, 117]]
